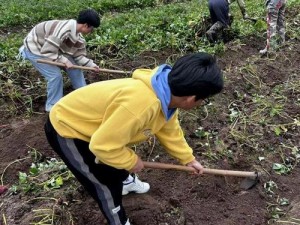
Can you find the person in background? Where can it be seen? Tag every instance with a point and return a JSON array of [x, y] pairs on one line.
[[219, 13], [60, 41], [93, 128], [276, 25]]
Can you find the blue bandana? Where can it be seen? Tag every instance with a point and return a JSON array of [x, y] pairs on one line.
[[161, 87]]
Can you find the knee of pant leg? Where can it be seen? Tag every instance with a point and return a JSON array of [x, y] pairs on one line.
[[54, 77], [74, 73], [54, 87], [78, 83], [77, 78], [49, 72]]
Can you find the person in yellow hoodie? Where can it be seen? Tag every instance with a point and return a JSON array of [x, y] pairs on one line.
[[93, 127]]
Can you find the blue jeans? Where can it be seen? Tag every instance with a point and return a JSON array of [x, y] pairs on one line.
[[54, 77]]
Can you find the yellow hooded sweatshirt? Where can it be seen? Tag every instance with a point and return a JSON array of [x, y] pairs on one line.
[[115, 114]]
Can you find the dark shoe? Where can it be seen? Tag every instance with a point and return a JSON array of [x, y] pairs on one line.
[[213, 31]]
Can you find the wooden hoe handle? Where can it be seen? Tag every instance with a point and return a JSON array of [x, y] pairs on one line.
[[156, 165], [81, 67]]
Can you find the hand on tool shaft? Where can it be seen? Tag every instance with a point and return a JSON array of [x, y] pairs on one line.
[[138, 166], [97, 69], [68, 65], [196, 165]]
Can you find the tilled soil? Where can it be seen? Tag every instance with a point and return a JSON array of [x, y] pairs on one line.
[[176, 197]]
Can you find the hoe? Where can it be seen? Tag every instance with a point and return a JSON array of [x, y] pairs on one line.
[[81, 67], [251, 178]]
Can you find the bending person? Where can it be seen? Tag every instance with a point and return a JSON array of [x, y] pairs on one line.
[[92, 128], [219, 13], [61, 41]]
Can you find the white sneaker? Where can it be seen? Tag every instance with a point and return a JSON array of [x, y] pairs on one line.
[[136, 185], [263, 51], [127, 223]]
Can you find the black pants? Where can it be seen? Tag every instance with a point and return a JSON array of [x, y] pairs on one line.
[[219, 11], [104, 183]]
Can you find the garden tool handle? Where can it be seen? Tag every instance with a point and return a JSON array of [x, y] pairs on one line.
[[156, 165], [81, 67]]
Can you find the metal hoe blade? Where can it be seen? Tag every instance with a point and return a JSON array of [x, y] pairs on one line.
[[250, 182]]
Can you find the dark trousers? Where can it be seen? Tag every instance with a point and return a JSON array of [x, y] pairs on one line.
[[219, 11], [104, 183]]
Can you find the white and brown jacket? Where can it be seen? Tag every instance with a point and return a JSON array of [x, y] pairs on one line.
[[56, 39]]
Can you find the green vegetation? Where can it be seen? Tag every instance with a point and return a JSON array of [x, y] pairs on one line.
[[29, 12], [128, 28]]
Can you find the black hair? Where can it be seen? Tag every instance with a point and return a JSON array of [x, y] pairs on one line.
[[90, 17], [196, 74]]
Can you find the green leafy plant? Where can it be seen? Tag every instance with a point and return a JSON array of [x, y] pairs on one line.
[[281, 168], [47, 175], [201, 133], [270, 187], [276, 210]]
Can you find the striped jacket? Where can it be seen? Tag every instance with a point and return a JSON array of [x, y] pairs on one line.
[[56, 39]]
